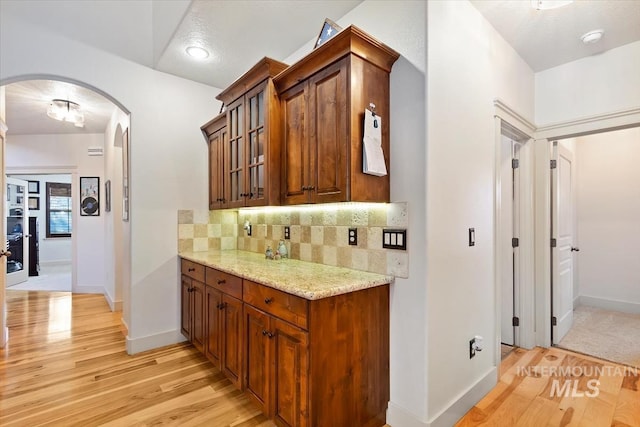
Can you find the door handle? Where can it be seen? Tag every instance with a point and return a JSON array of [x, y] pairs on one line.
[[575, 249], [5, 253]]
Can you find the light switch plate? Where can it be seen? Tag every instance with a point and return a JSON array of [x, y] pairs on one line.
[[394, 238]]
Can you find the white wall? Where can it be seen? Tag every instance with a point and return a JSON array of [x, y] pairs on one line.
[[401, 26], [469, 65], [598, 84], [608, 212], [51, 250], [168, 158], [117, 248], [68, 154]]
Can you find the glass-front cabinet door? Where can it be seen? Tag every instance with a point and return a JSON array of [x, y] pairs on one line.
[[17, 231], [256, 138], [234, 155]]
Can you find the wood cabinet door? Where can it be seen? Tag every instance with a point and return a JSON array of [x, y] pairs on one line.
[[217, 142], [256, 147], [257, 367], [290, 380], [197, 315], [232, 338], [185, 307], [329, 134], [295, 145], [213, 325], [234, 155]]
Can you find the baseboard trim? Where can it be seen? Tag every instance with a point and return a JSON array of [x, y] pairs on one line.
[[397, 416], [114, 305], [78, 289], [576, 302], [137, 345], [609, 304], [466, 401]]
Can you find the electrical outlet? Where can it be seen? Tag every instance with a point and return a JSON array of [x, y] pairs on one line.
[[287, 232], [353, 236]]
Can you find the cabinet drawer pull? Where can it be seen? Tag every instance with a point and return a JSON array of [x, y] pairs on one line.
[[267, 334], [305, 188], [191, 269], [221, 282], [311, 187], [221, 306], [268, 300]]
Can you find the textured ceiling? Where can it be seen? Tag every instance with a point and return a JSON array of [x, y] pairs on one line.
[[238, 33], [27, 104], [548, 38]]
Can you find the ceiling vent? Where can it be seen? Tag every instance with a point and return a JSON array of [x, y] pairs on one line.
[[95, 151]]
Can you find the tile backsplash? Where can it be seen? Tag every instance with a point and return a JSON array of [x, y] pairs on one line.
[[318, 233]]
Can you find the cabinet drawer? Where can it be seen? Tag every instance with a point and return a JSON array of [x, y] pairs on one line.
[[224, 282], [287, 307], [193, 270]]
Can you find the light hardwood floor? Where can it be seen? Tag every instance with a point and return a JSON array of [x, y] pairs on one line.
[[66, 366], [555, 387]]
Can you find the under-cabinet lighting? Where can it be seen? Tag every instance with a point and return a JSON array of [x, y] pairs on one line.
[[323, 207]]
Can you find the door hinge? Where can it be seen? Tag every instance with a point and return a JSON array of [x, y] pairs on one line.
[[554, 321], [554, 242], [515, 242], [515, 321], [554, 164], [515, 163]]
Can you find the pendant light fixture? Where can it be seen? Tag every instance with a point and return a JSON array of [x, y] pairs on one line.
[[66, 111]]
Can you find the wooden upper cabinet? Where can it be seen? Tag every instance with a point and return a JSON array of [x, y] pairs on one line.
[[252, 154], [216, 134], [323, 98]]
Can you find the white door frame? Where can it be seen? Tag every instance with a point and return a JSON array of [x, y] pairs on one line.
[[4, 330], [542, 201], [509, 122]]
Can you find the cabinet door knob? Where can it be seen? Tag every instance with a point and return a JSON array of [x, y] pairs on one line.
[[221, 282], [311, 187], [269, 334], [222, 306], [264, 332], [192, 269], [305, 188], [268, 300]]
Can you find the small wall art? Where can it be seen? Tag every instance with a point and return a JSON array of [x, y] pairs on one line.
[[89, 196]]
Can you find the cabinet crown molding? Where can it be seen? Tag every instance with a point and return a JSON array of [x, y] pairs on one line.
[[351, 40], [264, 69]]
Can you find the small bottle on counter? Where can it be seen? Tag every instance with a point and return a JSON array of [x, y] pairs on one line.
[[268, 254], [282, 250]]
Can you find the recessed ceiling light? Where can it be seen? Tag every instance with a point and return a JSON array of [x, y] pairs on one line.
[[592, 36], [197, 52], [549, 4]]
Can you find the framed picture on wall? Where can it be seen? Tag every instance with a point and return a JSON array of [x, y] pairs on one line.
[[33, 203], [89, 196], [33, 187]]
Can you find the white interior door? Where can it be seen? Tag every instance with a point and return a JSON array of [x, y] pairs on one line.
[[562, 232], [17, 229], [509, 202]]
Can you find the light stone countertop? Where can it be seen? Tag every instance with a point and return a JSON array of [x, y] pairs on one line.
[[305, 279]]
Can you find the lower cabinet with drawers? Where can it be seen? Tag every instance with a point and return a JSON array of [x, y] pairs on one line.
[[317, 363]]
